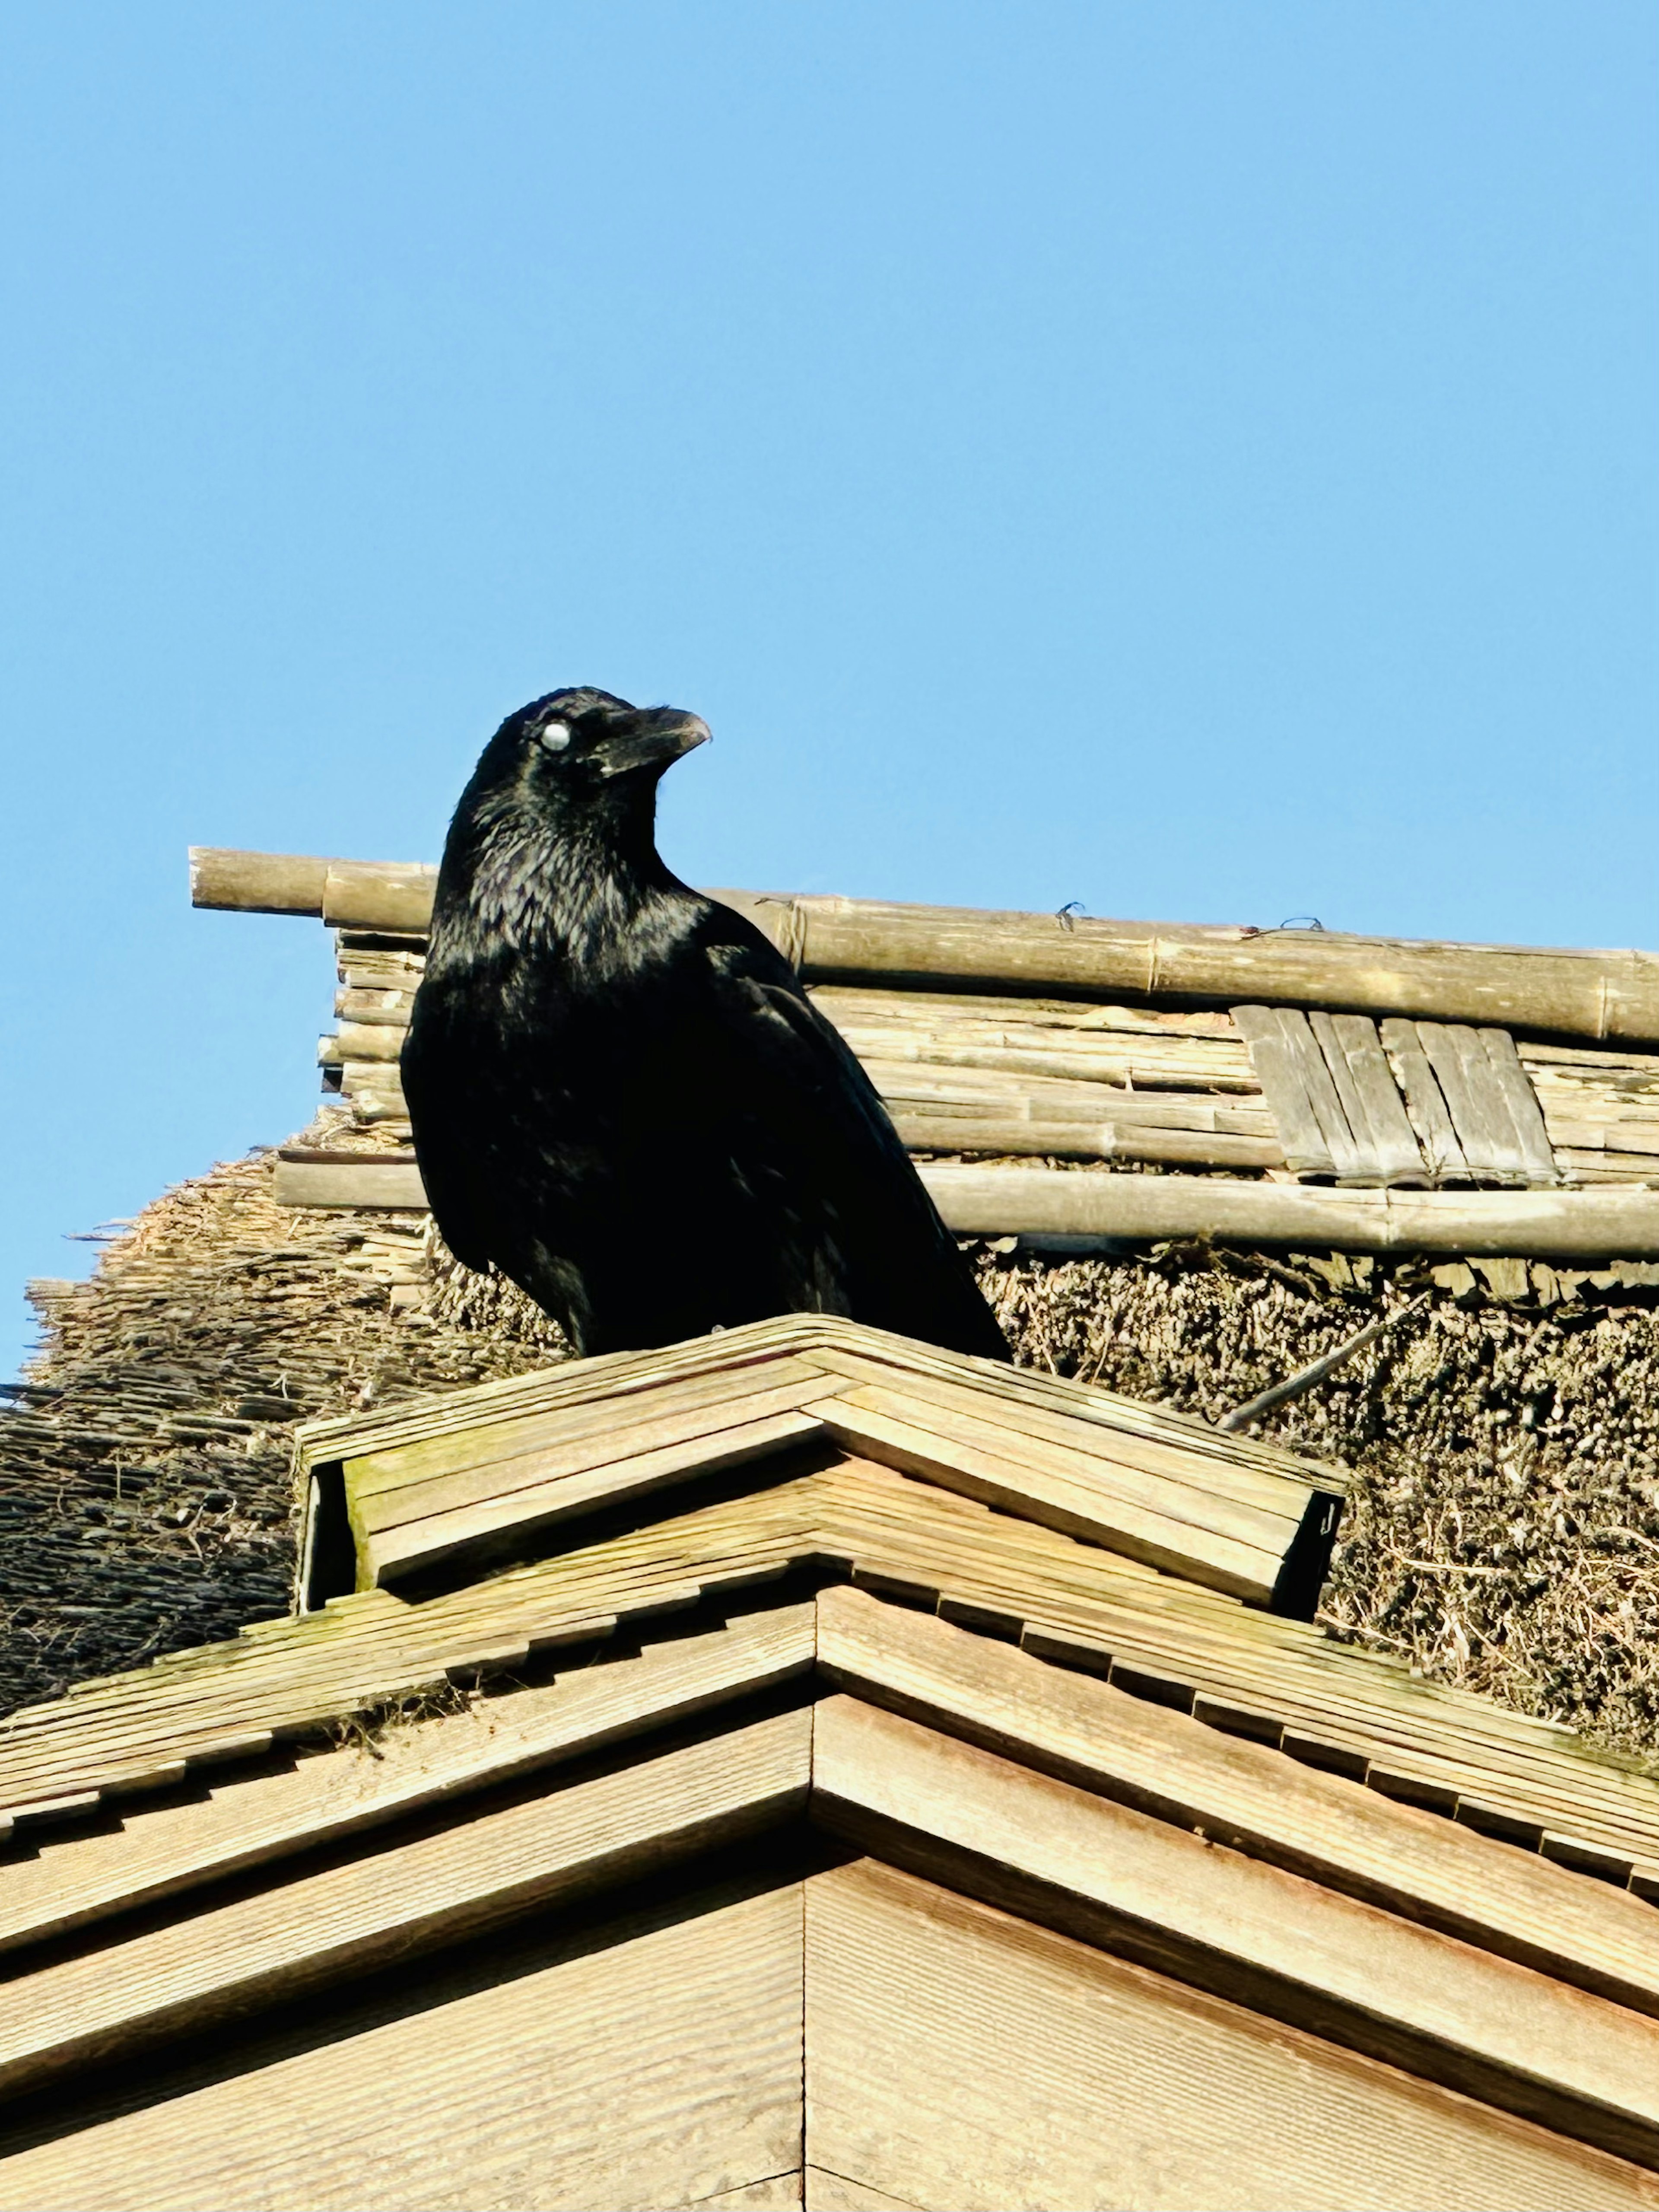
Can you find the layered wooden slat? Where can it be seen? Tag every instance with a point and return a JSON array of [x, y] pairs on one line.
[[365, 1912], [1277, 1680], [651, 2059], [823, 1341], [1397, 1991], [472, 1535], [488, 1486], [1145, 1517], [366, 1784], [477, 1443], [1244, 1796]]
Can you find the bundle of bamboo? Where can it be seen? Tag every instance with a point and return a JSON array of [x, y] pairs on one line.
[[1131, 1070], [1327, 1098]]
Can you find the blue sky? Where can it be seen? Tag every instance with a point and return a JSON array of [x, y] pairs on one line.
[[1198, 458]]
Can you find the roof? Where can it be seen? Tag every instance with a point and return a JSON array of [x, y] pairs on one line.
[[959, 1668], [477, 1476]]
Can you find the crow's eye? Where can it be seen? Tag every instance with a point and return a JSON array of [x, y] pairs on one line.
[[555, 737]]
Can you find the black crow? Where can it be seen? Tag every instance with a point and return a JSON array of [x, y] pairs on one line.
[[620, 1093]]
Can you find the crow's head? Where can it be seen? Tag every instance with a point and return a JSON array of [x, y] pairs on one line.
[[582, 743]]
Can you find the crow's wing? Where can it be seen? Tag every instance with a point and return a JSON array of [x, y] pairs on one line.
[[801, 1079], [442, 1129]]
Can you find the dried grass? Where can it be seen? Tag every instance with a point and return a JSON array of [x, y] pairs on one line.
[[1501, 1531]]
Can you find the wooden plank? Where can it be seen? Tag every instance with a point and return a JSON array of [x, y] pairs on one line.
[[935, 1073], [1609, 1165], [616, 1375], [1307, 1150], [1218, 1561], [177, 1848], [439, 1888], [1393, 1147], [491, 1528], [1251, 1933], [959, 2056], [1089, 1429], [1218, 1092], [848, 1347], [349, 1185], [1244, 1796], [380, 1003], [1520, 1101], [655, 2061], [357, 1042], [1639, 1139], [1188, 1492], [1544, 1224], [1478, 1115], [1081, 1019], [397, 1483], [1348, 1152], [1425, 1105], [1368, 1169]]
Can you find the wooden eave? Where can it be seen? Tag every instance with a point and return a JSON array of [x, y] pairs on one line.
[[1053, 1795]]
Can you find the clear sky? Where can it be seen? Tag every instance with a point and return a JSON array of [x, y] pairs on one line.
[[1198, 458]]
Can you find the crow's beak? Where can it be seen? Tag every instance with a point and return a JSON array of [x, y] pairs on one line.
[[655, 739]]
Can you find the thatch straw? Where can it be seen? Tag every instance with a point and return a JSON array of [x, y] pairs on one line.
[[1501, 1531]]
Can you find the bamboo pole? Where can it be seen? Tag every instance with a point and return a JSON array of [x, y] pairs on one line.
[[257, 883], [1566, 993], [1058, 1202], [1106, 1140], [1539, 1225]]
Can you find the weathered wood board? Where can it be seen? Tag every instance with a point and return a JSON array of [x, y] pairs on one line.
[[959, 2056], [656, 2064]]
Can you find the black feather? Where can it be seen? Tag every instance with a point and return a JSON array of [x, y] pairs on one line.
[[620, 1092]]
